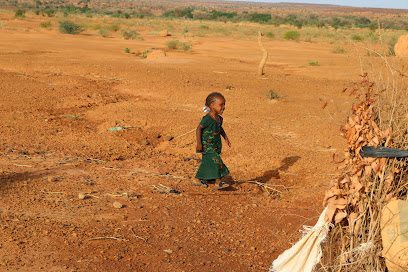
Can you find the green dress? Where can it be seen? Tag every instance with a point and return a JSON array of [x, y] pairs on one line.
[[212, 167]]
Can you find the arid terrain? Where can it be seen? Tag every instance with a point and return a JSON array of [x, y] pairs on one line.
[[62, 169]]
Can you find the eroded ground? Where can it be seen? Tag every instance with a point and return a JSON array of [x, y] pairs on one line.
[[61, 93]]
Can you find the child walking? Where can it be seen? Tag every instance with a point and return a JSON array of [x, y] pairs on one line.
[[209, 133]]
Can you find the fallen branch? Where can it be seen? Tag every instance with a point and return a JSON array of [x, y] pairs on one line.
[[138, 237], [104, 238], [264, 185]]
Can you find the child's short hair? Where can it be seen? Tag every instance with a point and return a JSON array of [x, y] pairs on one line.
[[212, 97]]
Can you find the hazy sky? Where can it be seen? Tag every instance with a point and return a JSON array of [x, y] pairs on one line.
[[396, 4]]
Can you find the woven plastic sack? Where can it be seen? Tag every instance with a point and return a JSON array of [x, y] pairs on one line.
[[307, 252], [394, 233]]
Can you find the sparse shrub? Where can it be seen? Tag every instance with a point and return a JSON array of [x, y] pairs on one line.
[[173, 44], [114, 27], [391, 43], [69, 27], [270, 35], [145, 53], [356, 38], [104, 32], [204, 27], [45, 24], [228, 87], [127, 50], [96, 27], [49, 12], [185, 30], [129, 34], [272, 95], [338, 50], [308, 39], [184, 47], [291, 35], [314, 63], [20, 13]]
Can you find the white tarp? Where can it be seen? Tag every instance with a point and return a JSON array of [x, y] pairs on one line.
[[307, 252]]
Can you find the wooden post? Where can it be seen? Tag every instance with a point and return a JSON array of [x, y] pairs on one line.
[[265, 54]]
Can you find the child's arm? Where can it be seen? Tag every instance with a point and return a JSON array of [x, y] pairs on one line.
[[198, 135], [223, 134]]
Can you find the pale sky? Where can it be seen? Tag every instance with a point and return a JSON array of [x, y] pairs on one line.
[[395, 4]]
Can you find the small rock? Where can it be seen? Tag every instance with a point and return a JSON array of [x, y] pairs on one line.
[[164, 33], [117, 205], [253, 248], [51, 179], [82, 196], [131, 194], [144, 142], [157, 135], [168, 251], [168, 137]]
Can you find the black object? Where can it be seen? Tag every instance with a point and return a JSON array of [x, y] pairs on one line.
[[382, 152]]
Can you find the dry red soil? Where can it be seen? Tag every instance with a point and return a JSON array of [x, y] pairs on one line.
[[59, 96]]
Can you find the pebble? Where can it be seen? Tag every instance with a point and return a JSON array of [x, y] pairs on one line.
[[132, 194], [168, 137], [144, 142], [168, 251], [117, 205], [51, 179], [81, 195]]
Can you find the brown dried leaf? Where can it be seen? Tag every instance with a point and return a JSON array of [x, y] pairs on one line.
[[339, 216], [329, 213], [375, 127], [339, 203]]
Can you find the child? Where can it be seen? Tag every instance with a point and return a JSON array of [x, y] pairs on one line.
[[209, 133]]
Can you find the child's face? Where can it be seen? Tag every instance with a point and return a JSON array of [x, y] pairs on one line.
[[218, 106]]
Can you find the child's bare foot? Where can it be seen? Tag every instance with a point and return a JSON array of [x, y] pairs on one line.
[[219, 185], [198, 182]]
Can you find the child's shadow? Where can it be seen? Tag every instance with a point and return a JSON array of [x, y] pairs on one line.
[[274, 173]]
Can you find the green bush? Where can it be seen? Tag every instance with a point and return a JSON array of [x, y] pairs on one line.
[[184, 47], [104, 32], [49, 12], [292, 35], [114, 27], [127, 50], [69, 27], [129, 34], [314, 63], [356, 38], [173, 44], [45, 24], [391, 43], [272, 95], [270, 35], [20, 13], [96, 27]]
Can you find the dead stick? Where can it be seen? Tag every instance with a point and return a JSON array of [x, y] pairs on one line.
[[265, 54], [45, 192], [102, 238], [23, 165], [138, 237], [184, 134], [261, 184]]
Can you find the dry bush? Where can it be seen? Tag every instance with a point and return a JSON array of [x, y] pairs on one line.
[[379, 117]]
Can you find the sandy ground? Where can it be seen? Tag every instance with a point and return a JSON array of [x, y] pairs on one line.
[[59, 96]]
